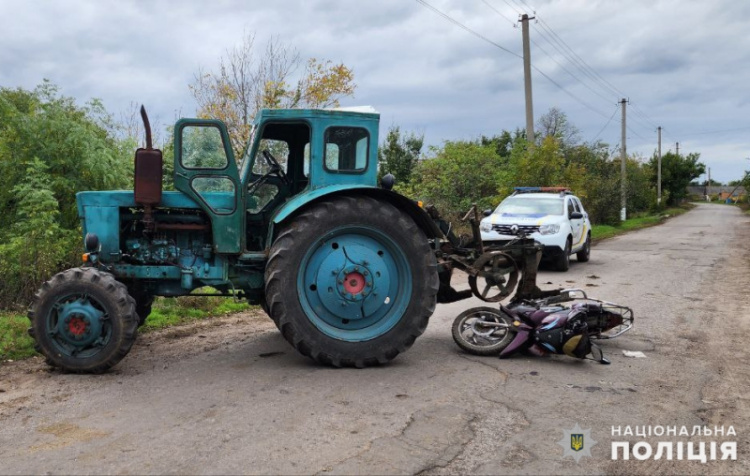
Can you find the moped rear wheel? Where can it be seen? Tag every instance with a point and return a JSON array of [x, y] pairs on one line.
[[483, 331]]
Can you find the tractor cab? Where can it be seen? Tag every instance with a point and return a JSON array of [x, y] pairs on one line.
[[290, 153]]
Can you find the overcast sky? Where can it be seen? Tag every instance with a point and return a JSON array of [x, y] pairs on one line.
[[683, 64]]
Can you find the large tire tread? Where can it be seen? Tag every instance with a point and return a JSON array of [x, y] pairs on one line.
[[123, 306], [305, 226]]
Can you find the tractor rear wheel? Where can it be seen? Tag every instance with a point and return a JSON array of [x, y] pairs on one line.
[[83, 320], [351, 282]]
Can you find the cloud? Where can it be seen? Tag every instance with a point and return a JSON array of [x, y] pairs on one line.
[[683, 65]]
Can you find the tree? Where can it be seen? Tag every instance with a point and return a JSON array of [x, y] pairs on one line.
[[459, 174], [504, 142], [543, 166], [247, 81], [677, 171], [555, 124], [50, 148], [399, 154]]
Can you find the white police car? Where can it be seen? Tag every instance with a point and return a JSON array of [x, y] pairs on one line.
[[551, 215]]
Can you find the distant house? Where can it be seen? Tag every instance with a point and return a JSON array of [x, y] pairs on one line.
[[722, 192]]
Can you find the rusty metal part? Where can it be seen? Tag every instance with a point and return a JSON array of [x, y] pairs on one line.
[[497, 272], [473, 217], [147, 188]]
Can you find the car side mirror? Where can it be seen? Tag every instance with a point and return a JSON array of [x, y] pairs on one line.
[[576, 215], [487, 212]]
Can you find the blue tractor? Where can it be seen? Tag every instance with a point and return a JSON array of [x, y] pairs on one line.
[[349, 271], [298, 225]]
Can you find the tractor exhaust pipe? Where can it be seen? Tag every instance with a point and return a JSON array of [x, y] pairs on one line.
[[147, 127], [148, 176]]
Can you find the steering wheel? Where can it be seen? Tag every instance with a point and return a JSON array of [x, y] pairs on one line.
[[276, 168]]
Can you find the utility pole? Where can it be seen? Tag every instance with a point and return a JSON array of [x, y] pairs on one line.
[[677, 146], [623, 157], [527, 78], [658, 171]]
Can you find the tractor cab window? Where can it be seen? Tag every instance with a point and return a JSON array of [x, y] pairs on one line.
[[203, 148], [286, 144], [346, 149], [279, 149]]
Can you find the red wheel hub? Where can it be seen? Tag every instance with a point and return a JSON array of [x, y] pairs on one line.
[[77, 326], [354, 283]]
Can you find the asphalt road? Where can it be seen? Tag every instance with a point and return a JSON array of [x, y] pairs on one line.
[[230, 396]]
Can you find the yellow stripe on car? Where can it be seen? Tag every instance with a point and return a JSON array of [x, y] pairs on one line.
[[583, 235]]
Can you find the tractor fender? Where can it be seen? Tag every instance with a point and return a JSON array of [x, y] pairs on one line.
[[303, 200]]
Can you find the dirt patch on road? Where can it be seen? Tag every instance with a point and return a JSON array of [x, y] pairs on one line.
[[28, 383]]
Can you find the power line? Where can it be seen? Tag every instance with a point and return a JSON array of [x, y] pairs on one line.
[[552, 38], [569, 72], [637, 134], [737, 129], [466, 28], [557, 62], [640, 117], [575, 55], [529, 7], [568, 92], [482, 37], [499, 13], [512, 7], [605, 125], [644, 115], [523, 10]]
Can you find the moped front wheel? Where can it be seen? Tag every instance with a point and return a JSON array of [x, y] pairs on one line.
[[483, 331]]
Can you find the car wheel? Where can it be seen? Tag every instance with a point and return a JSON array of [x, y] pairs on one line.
[[563, 261], [585, 252]]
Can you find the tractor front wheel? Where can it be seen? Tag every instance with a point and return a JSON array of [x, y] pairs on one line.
[[83, 320], [351, 282]]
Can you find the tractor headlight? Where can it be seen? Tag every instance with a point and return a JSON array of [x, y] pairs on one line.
[[549, 229], [485, 226]]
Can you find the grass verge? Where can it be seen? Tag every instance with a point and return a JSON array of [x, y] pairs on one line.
[[601, 232], [16, 344]]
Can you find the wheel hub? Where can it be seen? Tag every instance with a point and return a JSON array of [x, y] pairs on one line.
[[79, 322], [354, 283], [77, 325]]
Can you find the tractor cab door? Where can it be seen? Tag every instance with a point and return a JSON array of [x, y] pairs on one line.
[[205, 170], [277, 167]]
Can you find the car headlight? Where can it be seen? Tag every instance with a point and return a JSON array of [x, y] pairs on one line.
[[549, 229], [485, 226]]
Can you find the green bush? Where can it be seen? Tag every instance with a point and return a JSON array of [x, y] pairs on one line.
[[50, 148]]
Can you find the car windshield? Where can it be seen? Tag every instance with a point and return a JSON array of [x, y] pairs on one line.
[[530, 206]]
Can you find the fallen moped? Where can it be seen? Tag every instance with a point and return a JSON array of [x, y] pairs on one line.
[[564, 323]]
